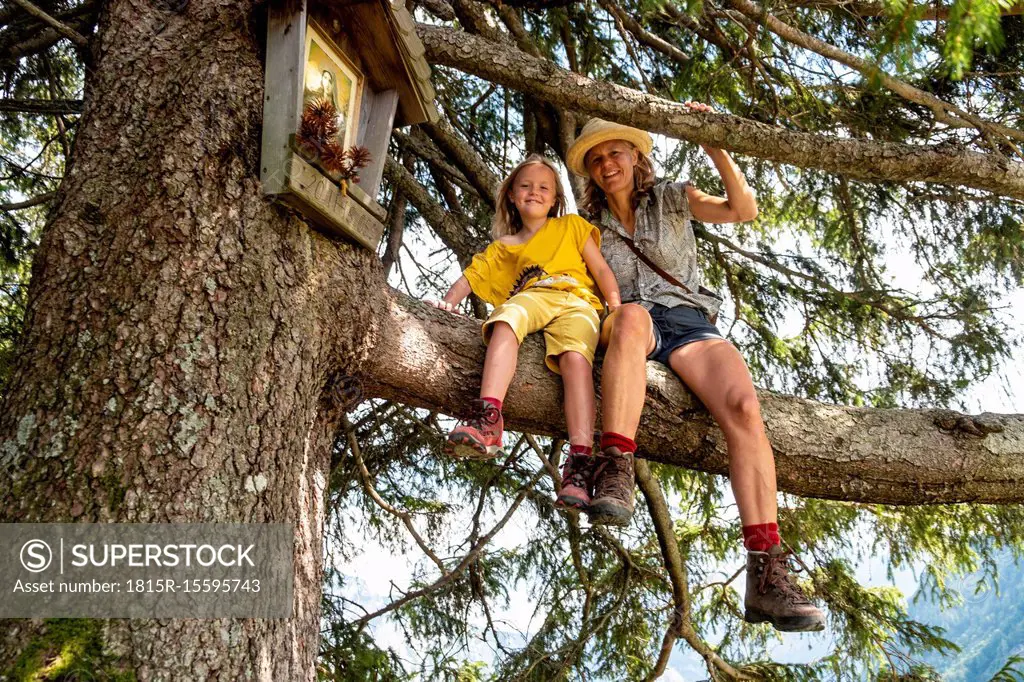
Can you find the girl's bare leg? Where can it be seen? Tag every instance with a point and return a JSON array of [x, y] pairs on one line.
[[578, 379], [500, 362]]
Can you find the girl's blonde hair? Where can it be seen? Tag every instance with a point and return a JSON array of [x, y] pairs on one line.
[[506, 216], [594, 199]]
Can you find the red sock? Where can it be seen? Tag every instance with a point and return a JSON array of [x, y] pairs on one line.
[[493, 401], [617, 440], [580, 450], [761, 537]]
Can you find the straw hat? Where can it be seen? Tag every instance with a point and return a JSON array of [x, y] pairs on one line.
[[597, 131]]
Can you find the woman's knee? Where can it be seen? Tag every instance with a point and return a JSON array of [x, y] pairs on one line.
[[743, 410], [632, 323]]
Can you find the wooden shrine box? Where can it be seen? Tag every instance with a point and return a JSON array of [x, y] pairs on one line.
[[364, 59]]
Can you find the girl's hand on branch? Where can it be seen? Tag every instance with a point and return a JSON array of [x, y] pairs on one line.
[[698, 106], [444, 305]]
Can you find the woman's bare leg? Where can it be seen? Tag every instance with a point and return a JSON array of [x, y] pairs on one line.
[[715, 371], [628, 334]]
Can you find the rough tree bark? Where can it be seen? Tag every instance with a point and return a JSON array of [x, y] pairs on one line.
[[184, 336], [862, 159], [187, 342]]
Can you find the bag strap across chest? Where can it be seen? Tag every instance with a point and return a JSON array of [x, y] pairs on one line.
[[649, 263]]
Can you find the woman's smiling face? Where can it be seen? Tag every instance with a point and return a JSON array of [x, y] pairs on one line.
[[610, 165]]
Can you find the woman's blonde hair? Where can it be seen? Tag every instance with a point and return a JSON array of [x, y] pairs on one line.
[[506, 216], [594, 199]]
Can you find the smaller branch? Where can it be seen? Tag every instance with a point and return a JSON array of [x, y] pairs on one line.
[[629, 49], [538, 4], [466, 158], [510, 18], [569, 43], [944, 111], [681, 625], [644, 36], [455, 235], [723, 583], [439, 8], [364, 476], [62, 28], [28, 203], [419, 144], [463, 565], [474, 19], [54, 107], [866, 8], [396, 226], [896, 313]]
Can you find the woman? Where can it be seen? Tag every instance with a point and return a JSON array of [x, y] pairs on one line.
[[667, 316]]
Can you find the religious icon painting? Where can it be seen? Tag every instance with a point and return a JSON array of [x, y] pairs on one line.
[[331, 85]]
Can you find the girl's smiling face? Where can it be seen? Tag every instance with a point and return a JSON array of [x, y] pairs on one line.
[[534, 191], [610, 165]]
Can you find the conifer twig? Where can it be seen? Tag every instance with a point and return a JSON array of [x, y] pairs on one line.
[[681, 625], [456, 572], [944, 112], [404, 516], [62, 28]]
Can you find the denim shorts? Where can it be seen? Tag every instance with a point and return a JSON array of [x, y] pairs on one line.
[[676, 327]]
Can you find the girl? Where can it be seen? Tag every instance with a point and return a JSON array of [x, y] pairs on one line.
[[536, 275]]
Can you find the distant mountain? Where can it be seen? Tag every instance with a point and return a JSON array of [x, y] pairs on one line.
[[988, 627]]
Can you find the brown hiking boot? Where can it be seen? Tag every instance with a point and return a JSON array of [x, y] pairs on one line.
[[613, 488], [774, 597]]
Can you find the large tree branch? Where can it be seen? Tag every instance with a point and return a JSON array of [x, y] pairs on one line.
[[867, 8], [426, 357], [943, 111], [863, 159]]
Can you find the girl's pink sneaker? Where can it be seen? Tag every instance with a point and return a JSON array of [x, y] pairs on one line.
[[478, 437], [577, 483]]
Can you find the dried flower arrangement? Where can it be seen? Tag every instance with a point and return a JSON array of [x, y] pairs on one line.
[[317, 141]]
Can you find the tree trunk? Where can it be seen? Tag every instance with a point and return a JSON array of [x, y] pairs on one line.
[[862, 159], [183, 334]]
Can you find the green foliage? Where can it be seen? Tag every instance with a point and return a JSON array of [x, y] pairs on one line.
[[33, 150], [67, 649], [1012, 671]]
